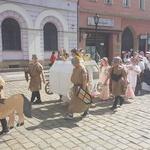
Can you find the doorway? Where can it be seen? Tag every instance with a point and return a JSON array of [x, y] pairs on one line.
[[127, 40], [102, 44]]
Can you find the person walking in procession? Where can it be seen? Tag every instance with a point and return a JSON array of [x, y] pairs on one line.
[[35, 70], [118, 75], [80, 79]]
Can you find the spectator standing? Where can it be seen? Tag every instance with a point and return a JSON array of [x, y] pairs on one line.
[[129, 55], [144, 58], [74, 53], [133, 71], [52, 58], [125, 57]]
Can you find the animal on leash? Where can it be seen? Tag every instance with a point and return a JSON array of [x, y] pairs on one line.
[[18, 103]]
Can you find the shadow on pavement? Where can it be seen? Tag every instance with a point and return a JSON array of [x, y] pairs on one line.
[[56, 123], [49, 109], [50, 113]]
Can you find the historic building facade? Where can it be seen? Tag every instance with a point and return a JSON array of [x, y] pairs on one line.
[[124, 25], [35, 27]]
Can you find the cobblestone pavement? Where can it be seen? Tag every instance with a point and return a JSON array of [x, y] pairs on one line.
[[127, 128]]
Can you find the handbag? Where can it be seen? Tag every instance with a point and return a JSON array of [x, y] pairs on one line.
[[115, 77], [84, 96]]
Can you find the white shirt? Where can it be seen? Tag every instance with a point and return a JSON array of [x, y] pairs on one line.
[[145, 60], [141, 65]]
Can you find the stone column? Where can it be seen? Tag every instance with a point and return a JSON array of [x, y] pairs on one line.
[[34, 41]]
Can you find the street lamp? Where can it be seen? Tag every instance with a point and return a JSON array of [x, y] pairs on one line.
[[96, 21]]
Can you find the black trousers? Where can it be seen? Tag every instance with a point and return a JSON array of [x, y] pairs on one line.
[[34, 95], [4, 124], [116, 101]]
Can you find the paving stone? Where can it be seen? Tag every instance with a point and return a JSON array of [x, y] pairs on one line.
[[34, 148], [116, 148], [144, 145], [37, 140], [100, 148], [93, 144], [113, 142], [84, 139], [135, 135], [133, 140], [12, 142], [122, 146], [88, 148], [92, 137], [56, 144], [76, 148], [49, 148], [109, 146], [63, 139], [3, 145], [62, 148], [56, 135], [82, 145], [134, 146], [123, 140], [29, 145], [70, 144], [100, 141]]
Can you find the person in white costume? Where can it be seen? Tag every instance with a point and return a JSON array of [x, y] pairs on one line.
[[133, 71], [144, 58]]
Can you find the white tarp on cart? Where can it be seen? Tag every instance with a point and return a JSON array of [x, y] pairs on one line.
[[60, 73]]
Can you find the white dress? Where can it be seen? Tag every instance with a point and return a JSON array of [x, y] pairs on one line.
[[105, 93], [132, 75]]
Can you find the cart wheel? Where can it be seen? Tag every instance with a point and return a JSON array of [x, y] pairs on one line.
[[47, 89], [99, 87], [70, 93], [89, 86]]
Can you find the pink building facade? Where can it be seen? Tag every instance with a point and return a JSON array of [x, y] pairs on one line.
[[124, 25]]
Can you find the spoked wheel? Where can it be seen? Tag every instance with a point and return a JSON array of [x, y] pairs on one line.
[[70, 93], [99, 87], [47, 89]]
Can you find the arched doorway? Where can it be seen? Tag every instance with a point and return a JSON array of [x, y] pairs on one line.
[[50, 37], [127, 40]]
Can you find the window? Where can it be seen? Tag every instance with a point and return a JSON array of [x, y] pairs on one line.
[[50, 37], [11, 39], [126, 3], [108, 1], [141, 4]]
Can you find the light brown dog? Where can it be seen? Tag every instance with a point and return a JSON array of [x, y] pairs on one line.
[[18, 103]]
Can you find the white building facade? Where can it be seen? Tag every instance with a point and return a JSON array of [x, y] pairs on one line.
[[36, 27]]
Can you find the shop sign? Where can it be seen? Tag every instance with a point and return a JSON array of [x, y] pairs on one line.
[[102, 22], [143, 36]]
